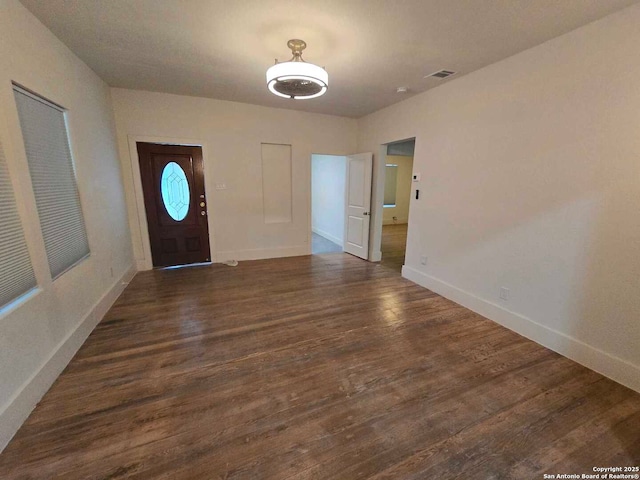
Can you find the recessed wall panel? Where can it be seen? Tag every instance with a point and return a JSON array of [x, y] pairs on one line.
[[276, 183], [356, 187], [356, 227]]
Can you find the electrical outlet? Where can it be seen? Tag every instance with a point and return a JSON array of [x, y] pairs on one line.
[[423, 259], [504, 293]]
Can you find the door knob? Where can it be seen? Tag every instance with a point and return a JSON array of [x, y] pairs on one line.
[[365, 213]]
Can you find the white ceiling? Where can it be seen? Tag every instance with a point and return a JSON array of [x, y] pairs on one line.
[[222, 48]]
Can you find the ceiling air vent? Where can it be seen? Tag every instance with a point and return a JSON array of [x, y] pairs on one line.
[[442, 74]]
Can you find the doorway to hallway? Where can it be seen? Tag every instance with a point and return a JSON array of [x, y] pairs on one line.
[[341, 203], [398, 190], [328, 177], [394, 245]]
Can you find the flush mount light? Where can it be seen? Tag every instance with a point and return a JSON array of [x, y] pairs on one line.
[[296, 78]]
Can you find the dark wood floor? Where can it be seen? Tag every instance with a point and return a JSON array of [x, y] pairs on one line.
[[394, 244], [315, 367]]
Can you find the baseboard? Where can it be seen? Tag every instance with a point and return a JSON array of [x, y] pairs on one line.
[[262, 253], [27, 397], [327, 235], [609, 365], [399, 221]]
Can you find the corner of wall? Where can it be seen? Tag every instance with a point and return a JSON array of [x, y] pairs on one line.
[[13, 415], [597, 360]]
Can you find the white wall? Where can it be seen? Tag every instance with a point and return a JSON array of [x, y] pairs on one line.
[[39, 337], [534, 185], [403, 190], [328, 176], [231, 135]]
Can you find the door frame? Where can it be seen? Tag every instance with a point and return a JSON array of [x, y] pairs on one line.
[[377, 197], [137, 213]]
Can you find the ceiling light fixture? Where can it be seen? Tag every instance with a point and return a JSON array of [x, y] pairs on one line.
[[296, 78]]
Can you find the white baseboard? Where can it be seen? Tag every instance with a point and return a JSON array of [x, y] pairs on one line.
[[327, 235], [26, 398], [399, 221], [609, 365], [262, 253]]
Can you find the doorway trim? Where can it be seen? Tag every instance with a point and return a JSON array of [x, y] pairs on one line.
[[138, 221]]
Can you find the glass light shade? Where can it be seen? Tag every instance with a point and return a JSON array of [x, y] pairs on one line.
[[287, 71]]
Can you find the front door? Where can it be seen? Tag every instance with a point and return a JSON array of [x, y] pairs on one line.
[[175, 202], [358, 204]]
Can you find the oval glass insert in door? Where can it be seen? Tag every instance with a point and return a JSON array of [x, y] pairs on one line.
[[176, 195]]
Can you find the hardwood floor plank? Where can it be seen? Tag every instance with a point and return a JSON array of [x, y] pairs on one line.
[[393, 245], [314, 367], [554, 454]]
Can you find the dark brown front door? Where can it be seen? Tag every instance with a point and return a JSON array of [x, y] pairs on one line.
[[175, 202]]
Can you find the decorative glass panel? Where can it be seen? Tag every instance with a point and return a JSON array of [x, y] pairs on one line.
[[175, 191]]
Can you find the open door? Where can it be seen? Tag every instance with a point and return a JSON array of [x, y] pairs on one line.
[[358, 204]]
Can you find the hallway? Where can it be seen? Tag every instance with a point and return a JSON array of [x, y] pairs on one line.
[[394, 242], [320, 245]]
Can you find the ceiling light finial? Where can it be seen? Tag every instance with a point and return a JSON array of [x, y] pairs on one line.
[[297, 78], [297, 46]]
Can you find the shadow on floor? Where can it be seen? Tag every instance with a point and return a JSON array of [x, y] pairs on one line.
[[320, 244]]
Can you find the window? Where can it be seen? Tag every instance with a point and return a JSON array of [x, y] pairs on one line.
[[16, 273], [46, 143], [390, 184]]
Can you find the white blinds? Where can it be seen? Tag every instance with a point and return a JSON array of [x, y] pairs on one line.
[[49, 156], [16, 274]]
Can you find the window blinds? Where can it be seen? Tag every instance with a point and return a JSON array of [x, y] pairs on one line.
[[47, 146], [16, 273]]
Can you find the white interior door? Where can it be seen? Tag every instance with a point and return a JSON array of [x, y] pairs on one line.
[[358, 204]]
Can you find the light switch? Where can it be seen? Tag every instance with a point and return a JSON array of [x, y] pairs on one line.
[[221, 186]]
